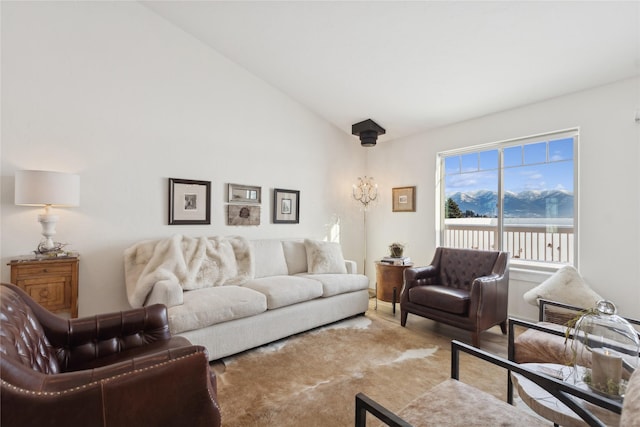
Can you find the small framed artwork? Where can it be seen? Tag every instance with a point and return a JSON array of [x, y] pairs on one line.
[[286, 206], [403, 199], [189, 201], [243, 215], [244, 194]]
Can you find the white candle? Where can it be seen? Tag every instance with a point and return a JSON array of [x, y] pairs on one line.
[[606, 367]]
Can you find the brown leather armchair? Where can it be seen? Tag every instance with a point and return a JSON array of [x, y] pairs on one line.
[[465, 288], [119, 369]]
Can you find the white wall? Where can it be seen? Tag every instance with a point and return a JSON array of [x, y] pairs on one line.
[[113, 92], [609, 187]]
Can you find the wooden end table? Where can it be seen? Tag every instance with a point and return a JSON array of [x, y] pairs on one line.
[[389, 281], [51, 281]]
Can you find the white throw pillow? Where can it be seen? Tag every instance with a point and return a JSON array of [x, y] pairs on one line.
[[296, 256], [324, 257], [565, 286], [268, 258]]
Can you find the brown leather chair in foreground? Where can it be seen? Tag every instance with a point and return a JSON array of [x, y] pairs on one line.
[[120, 369], [465, 288]]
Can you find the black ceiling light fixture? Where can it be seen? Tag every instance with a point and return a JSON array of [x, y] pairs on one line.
[[368, 132]]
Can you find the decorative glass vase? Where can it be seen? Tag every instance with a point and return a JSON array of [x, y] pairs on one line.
[[605, 350]]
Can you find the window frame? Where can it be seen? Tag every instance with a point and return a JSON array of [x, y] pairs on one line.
[[531, 265]]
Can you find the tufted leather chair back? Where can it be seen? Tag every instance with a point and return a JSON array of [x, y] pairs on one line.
[[22, 338], [460, 267]]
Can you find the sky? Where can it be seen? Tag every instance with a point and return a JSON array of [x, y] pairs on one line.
[[537, 166]]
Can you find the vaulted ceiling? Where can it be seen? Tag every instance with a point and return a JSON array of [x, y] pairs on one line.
[[415, 65]]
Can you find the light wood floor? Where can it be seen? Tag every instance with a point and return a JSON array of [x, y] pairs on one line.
[[492, 340]]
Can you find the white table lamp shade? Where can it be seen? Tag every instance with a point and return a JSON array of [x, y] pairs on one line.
[[41, 188], [44, 188]]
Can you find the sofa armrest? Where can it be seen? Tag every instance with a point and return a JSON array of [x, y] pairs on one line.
[[352, 266], [166, 292], [175, 387]]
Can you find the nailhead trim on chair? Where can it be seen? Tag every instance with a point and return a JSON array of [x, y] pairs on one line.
[[58, 393]]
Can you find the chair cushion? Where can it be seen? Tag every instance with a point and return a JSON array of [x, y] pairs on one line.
[[533, 346], [631, 407], [454, 403], [443, 298]]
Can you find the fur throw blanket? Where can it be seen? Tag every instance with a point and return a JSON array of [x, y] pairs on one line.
[[192, 263]]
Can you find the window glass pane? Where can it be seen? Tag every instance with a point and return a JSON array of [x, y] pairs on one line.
[[561, 149], [452, 164], [542, 191], [470, 162], [513, 156], [489, 159], [471, 209], [535, 153], [537, 201]]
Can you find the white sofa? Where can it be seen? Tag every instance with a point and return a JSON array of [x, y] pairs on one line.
[[230, 295]]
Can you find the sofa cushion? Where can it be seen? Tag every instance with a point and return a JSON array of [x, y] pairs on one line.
[[268, 258], [285, 290], [209, 306], [443, 298], [324, 257], [334, 284], [295, 254]]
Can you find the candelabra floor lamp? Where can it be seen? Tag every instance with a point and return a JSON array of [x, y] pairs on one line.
[[365, 191]]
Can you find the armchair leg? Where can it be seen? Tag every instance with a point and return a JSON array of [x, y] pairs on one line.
[[475, 339], [503, 327], [403, 317]]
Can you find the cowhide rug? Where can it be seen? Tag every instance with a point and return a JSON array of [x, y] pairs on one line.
[[311, 379]]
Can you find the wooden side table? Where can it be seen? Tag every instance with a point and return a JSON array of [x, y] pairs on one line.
[[389, 281], [51, 282]]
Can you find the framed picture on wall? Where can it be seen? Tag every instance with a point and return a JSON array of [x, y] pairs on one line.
[[286, 206], [189, 201], [243, 215], [403, 199], [244, 193]]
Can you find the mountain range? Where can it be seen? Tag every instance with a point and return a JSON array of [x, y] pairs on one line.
[[526, 204]]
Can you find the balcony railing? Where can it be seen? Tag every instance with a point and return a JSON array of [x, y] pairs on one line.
[[528, 242]]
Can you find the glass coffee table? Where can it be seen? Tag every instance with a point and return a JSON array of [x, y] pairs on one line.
[[547, 406]]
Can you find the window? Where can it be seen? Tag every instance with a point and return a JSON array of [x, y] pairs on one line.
[[518, 196]]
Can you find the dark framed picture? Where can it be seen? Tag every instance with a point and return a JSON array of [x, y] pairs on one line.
[[286, 206], [244, 193], [243, 215], [189, 201], [403, 199]]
